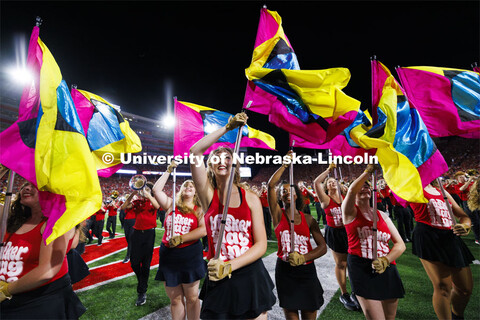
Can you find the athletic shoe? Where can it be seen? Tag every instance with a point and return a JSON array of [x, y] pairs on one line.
[[347, 302], [126, 259], [353, 297], [142, 298]]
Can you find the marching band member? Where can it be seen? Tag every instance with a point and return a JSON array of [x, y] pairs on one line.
[[143, 237]]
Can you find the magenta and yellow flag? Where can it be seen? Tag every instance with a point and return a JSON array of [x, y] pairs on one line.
[[307, 103], [47, 146], [194, 121], [407, 154], [448, 99], [108, 134]]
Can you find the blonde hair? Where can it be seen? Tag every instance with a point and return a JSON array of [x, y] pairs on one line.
[[474, 197], [180, 202], [211, 173]]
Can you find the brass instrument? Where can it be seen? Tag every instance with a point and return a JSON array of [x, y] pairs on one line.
[[138, 182]]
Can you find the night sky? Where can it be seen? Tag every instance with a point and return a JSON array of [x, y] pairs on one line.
[[129, 52]]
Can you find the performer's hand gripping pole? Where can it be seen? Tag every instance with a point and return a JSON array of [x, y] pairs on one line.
[[226, 202]]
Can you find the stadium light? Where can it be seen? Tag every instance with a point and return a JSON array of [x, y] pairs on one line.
[[168, 121], [126, 171], [20, 76]]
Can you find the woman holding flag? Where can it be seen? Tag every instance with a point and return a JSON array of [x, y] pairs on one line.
[[181, 263], [34, 280], [444, 256], [335, 232], [295, 274], [377, 284], [238, 285]]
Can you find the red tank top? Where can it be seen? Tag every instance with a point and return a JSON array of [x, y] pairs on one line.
[[264, 199], [22, 253], [302, 237], [360, 234], [184, 223], [238, 235], [333, 213], [434, 213], [145, 214]]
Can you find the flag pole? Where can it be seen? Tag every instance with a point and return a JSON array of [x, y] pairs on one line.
[[292, 204], [6, 205], [444, 194], [174, 181], [173, 203], [372, 64], [226, 202], [375, 216], [339, 192]]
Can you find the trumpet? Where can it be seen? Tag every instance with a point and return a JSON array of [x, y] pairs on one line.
[[114, 195], [138, 182]]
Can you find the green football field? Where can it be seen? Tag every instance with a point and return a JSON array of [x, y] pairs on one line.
[[116, 300]]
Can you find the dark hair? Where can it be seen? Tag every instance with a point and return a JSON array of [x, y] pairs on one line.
[[150, 185], [299, 203], [19, 214]]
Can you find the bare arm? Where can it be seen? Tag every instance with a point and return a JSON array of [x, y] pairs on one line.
[[127, 203], [466, 184], [321, 248], [148, 195], [463, 218], [398, 244], [198, 233], [348, 205], [319, 188], [275, 210], [259, 236], [163, 200], [49, 264]]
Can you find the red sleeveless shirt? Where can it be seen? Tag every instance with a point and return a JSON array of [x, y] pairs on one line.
[[238, 235], [434, 213], [333, 213], [302, 237], [184, 223], [360, 234], [22, 253]]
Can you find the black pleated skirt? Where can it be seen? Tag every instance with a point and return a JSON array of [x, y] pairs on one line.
[[247, 294], [55, 300], [181, 265], [366, 283], [77, 268], [439, 245], [336, 239], [298, 287]]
